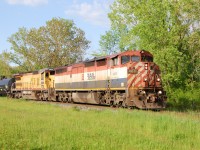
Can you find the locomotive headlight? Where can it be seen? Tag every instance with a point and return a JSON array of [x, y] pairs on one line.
[[143, 92], [159, 92], [145, 79], [6, 86], [146, 66], [158, 79]]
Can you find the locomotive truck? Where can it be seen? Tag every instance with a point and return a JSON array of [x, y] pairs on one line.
[[127, 79]]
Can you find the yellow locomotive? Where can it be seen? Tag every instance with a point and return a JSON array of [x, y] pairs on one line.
[[34, 85]]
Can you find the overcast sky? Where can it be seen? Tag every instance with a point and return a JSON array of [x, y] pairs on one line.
[[89, 15]]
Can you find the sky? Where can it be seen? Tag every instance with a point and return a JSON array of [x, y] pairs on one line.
[[88, 15]]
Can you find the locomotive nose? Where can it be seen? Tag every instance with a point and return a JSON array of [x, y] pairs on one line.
[[152, 75]]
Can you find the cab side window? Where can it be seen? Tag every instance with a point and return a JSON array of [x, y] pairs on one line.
[[114, 61], [90, 64], [52, 73], [147, 58], [47, 75], [101, 62]]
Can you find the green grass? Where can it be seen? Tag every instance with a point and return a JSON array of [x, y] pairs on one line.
[[32, 125]]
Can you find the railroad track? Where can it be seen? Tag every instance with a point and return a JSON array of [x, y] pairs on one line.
[[86, 106], [81, 106]]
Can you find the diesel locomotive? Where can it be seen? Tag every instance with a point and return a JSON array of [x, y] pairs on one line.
[[127, 79]]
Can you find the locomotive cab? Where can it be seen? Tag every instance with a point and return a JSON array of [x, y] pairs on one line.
[[47, 79], [143, 80]]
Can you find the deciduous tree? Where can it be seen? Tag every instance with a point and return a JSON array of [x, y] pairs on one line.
[[169, 29], [5, 68], [57, 43]]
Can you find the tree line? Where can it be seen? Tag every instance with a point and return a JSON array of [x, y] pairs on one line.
[[170, 29]]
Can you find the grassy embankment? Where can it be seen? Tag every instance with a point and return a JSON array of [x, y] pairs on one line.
[[31, 125]]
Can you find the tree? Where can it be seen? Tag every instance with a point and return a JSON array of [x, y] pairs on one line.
[[57, 43], [169, 29], [5, 68]]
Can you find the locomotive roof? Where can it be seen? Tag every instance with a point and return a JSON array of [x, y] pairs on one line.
[[136, 52], [95, 58], [34, 72], [45, 69]]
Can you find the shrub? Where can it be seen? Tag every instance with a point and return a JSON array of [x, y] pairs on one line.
[[184, 99]]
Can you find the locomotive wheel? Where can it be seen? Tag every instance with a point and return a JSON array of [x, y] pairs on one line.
[[59, 99], [70, 100], [112, 104], [120, 104], [64, 99], [130, 107]]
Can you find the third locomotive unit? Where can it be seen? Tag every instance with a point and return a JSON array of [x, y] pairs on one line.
[[127, 79]]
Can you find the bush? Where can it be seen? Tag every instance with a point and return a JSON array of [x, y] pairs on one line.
[[184, 100]]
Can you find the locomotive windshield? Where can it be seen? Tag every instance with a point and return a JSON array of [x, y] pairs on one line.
[[147, 58], [125, 59], [135, 58]]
